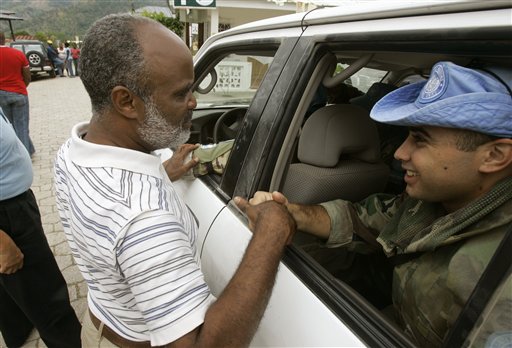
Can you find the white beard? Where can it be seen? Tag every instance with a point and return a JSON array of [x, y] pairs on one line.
[[157, 132]]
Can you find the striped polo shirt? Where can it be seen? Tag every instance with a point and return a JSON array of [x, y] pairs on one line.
[[133, 239]]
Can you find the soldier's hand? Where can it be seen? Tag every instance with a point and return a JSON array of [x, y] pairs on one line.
[[263, 196], [176, 166], [269, 217]]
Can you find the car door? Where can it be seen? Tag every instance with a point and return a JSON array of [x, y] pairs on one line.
[[294, 310]]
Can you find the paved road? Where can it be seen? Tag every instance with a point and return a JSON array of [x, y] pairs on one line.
[[55, 106]]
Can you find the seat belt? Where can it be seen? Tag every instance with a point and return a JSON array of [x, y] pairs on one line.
[[495, 272]]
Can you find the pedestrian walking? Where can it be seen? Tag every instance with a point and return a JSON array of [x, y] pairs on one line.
[[75, 54], [14, 79], [69, 60]]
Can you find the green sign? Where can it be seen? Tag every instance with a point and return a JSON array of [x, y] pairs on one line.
[[194, 3]]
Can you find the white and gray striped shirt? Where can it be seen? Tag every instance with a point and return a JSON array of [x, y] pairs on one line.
[[133, 239]]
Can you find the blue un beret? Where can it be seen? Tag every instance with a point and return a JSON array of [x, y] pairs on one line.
[[452, 97]]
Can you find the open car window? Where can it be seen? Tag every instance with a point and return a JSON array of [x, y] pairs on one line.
[[225, 90], [233, 81]]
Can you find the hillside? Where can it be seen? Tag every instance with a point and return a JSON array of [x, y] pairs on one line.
[[65, 19]]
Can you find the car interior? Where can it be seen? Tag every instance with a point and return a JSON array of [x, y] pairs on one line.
[[340, 153], [333, 149]]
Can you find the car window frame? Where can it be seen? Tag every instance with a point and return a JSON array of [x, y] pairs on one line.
[[227, 186]]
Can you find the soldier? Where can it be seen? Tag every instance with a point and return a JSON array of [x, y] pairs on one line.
[[443, 230]]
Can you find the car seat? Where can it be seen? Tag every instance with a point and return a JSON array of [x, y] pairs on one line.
[[339, 157], [391, 136]]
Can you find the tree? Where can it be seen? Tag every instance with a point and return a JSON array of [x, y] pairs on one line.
[[22, 33], [173, 24], [41, 36]]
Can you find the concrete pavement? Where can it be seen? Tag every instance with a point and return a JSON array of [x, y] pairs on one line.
[[55, 106]]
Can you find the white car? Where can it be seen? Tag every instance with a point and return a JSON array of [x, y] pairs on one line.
[[259, 82]]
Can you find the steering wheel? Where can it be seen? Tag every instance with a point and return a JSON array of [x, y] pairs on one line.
[[227, 125]]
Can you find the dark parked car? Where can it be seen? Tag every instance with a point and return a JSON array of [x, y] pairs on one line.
[[35, 51]]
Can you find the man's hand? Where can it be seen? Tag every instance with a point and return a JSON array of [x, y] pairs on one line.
[[312, 219], [263, 196], [176, 166], [11, 257], [268, 217]]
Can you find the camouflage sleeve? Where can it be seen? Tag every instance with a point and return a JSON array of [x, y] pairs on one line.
[[465, 268], [365, 219], [341, 223], [377, 210], [494, 328]]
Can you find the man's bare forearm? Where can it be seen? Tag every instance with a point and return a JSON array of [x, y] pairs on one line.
[[26, 76], [236, 314], [311, 218], [233, 319]]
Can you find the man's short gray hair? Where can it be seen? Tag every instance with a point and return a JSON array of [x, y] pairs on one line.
[[112, 56]]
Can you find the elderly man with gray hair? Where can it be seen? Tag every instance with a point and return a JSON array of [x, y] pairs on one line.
[[132, 236]]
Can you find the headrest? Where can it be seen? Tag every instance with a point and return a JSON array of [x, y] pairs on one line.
[[336, 130], [374, 94]]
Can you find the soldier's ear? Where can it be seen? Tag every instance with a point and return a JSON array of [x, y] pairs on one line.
[[497, 156]]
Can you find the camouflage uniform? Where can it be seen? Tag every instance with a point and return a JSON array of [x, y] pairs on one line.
[[430, 290]]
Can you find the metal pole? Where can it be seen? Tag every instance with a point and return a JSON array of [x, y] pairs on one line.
[[12, 31]]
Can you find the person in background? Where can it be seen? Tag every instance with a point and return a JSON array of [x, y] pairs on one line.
[[69, 60], [63, 55], [14, 79], [33, 292], [53, 55], [75, 54], [133, 238], [440, 234]]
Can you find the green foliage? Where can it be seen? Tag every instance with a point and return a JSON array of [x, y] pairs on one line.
[[21, 32], [65, 19], [41, 36], [172, 23]]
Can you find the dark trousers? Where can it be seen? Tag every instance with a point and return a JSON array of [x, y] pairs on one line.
[[36, 295]]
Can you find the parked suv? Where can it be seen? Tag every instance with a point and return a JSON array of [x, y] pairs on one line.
[[258, 83], [35, 51]]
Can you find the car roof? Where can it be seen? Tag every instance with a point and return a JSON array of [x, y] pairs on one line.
[[369, 10]]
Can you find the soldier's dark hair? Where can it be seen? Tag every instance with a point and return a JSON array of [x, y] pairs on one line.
[[111, 56], [467, 140]]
